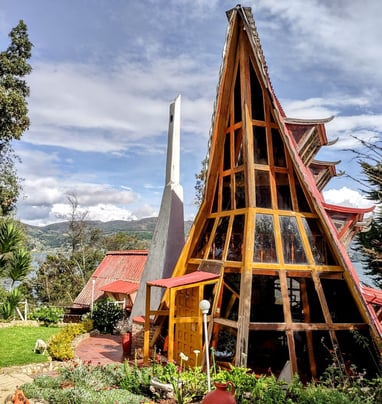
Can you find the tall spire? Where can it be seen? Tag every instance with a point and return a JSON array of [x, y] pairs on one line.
[[168, 236], [173, 147]]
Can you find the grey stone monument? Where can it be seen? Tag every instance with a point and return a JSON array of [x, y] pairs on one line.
[[168, 237]]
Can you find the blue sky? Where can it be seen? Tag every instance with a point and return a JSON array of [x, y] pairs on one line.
[[105, 72]]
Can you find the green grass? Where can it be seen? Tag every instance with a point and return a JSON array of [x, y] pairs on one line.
[[17, 344]]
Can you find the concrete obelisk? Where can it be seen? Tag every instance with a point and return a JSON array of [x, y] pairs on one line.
[[168, 237]]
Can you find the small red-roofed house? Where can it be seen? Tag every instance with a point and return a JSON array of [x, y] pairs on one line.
[[117, 276]]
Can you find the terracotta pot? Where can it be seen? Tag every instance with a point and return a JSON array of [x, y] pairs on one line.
[[126, 343], [221, 395]]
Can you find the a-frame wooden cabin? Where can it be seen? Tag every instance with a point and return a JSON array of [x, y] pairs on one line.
[[265, 248]]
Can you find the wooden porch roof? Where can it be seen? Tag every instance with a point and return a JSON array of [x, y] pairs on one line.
[[119, 286], [183, 280]]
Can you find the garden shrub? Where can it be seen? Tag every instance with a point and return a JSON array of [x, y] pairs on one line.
[[60, 345], [47, 315], [136, 380], [85, 383], [106, 315], [80, 395], [88, 324], [242, 378]]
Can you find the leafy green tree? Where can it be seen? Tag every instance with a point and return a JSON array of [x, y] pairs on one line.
[[14, 119], [370, 241], [59, 279], [122, 241], [200, 182], [47, 315]]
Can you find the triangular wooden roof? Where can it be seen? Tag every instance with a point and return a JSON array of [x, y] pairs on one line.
[[288, 283]]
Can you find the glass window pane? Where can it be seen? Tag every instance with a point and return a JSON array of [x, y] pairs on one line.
[[284, 200], [320, 249], [239, 190], [278, 149], [264, 249], [238, 147], [236, 242], [293, 250], [226, 202], [303, 205], [262, 189], [227, 152], [215, 203], [229, 308], [216, 251], [237, 97], [256, 96], [260, 148], [200, 249]]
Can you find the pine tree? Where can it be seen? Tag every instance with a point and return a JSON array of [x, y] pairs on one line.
[[14, 119], [370, 241]]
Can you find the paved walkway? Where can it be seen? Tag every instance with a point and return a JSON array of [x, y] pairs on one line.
[[10, 382], [98, 349]]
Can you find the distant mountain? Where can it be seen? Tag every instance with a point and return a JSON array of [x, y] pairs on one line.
[[54, 237]]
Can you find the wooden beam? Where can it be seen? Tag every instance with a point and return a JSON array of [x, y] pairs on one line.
[[146, 338], [226, 323], [308, 333], [171, 335], [158, 312], [288, 322], [305, 326], [246, 275]]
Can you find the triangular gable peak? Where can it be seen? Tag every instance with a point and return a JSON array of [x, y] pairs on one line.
[[289, 293]]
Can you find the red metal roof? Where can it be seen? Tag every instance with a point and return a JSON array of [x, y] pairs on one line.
[[116, 266], [193, 277], [346, 209], [124, 287], [372, 296], [125, 265]]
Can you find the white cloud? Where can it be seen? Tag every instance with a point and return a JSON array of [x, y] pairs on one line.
[[340, 35], [84, 108], [46, 201], [346, 197], [100, 90], [102, 211]]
